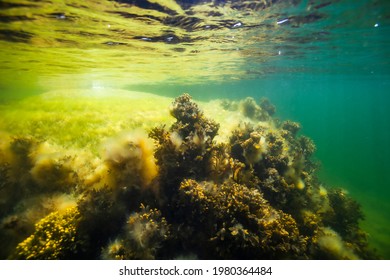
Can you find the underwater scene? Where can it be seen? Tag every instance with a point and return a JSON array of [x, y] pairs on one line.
[[205, 129]]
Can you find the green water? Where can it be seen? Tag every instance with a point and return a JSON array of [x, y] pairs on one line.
[[324, 64], [349, 121]]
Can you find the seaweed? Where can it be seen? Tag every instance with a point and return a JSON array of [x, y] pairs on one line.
[[185, 149], [177, 192], [55, 237], [345, 215], [237, 222], [142, 237]]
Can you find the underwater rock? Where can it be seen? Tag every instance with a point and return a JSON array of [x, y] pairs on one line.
[[253, 196], [54, 238], [185, 149], [34, 182], [267, 106], [21, 148], [221, 164], [331, 246], [53, 172], [237, 222], [254, 111], [250, 108], [249, 145], [345, 215], [103, 213], [143, 235], [129, 160], [292, 127]]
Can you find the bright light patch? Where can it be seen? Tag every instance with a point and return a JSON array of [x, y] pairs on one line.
[[97, 86], [282, 21]]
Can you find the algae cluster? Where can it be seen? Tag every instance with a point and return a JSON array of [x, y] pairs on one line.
[[183, 189]]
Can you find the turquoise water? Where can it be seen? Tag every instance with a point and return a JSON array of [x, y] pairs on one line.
[[324, 64], [348, 119]]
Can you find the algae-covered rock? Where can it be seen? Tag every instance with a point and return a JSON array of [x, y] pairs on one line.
[[254, 195], [55, 237], [142, 238], [184, 150], [232, 221]]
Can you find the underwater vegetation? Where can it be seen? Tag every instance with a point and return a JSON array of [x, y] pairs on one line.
[[177, 191]]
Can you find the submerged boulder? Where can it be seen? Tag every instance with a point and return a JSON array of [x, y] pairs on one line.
[[254, 196]]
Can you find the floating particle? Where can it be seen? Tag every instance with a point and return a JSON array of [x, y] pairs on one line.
[[236, 25], [282, 21]]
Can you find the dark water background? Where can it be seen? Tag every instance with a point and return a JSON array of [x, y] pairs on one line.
[[325, 64]]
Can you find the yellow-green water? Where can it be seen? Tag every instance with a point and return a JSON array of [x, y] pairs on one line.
[[75, 74]]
